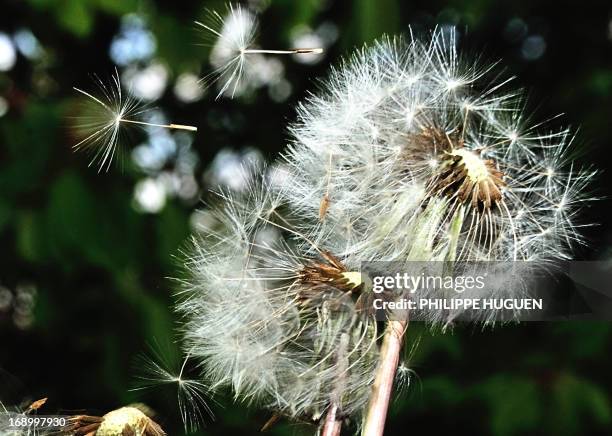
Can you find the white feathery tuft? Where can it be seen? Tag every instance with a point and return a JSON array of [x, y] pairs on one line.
[[234, 55], [105, 118], [273, 317], [406, 137]]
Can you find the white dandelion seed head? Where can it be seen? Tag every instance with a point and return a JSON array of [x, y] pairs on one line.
[[409, 140], [408, 154], [272, 317]]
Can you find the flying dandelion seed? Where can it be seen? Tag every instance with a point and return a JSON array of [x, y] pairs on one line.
[[233, 42], [192, 395], [105, 117]]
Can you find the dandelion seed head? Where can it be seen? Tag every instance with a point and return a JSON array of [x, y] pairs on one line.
[[272, 316], [443, 154]]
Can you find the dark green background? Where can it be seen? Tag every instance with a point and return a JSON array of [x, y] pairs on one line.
[[100, 267]]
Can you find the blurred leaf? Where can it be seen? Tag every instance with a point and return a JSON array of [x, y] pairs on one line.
[[117, 7], [584, 339], [30, 236], [172, 231], [576, 401], [375, 18], [74, 221], [75, 16], [514, 403], [28, 143], [600, 82]]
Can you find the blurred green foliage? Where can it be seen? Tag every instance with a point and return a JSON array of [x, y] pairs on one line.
[[100, 267]]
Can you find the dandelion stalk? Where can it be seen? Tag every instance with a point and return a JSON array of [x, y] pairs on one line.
[[332, 425], [376, 415], [333, 422]]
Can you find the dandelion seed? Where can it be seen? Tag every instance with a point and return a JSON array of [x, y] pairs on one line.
[[233, 45], [105, 117], [192, 395]]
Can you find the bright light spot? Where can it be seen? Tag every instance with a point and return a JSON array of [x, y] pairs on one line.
[[328, 31], [533, 47], [267, 71], [515, 30], [410, 116], [187, 88], [150, 195], [134, 42], [550, 172], [203, 221], [280, 91], [561, 205], [6, 299], [27, 44], [513, 136], [148, 83], [433, 163], [8, 57], [452, 84], [233, 169], [4, 106], [188, 187], [412, 80], [308, 40], [152, 156], [468, 106]]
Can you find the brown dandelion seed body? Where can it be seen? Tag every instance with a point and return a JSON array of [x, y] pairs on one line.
[[327, 278], [463, 173], [470, 178], [36, 405], [323, 207]]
